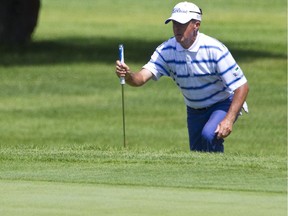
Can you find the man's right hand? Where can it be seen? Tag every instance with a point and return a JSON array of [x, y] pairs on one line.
[[122, 69]]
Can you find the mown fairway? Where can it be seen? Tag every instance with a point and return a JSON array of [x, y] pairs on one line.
[[61, 149]]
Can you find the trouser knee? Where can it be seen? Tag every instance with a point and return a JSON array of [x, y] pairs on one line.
[[207, 136], [210, 141]]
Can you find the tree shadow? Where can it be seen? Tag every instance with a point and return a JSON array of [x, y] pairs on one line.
[[105, 50]]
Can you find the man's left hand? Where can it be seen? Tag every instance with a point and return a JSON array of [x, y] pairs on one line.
[[224, 129]]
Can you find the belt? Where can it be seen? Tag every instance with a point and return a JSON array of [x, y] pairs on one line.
[[199, 109]]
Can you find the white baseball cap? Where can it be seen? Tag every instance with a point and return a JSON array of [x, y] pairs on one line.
[[183, 12]]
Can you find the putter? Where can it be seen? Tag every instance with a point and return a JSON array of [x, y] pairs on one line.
[[122, 82]]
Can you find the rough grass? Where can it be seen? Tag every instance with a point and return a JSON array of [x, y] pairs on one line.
[[146, 168]]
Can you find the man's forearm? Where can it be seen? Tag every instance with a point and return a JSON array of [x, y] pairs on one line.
[[134, 79], [139, 78], [239, 98]]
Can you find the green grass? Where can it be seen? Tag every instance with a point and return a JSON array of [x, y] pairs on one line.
[[61, 146]]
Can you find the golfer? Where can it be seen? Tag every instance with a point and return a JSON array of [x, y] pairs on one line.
[[212, 83]]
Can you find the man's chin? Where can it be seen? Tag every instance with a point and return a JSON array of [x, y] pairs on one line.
[[178, 39]]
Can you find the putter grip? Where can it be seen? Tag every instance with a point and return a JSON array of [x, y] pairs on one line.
[[121, 58]]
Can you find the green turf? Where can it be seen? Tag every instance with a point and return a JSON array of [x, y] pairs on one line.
[[50, 198], [61, 147]]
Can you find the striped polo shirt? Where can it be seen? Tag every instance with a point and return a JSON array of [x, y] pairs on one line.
[[206, 73]]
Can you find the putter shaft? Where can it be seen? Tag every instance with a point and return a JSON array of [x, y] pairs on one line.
[[123, 116]]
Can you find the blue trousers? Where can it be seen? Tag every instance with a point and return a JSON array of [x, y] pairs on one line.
[[202, 125]]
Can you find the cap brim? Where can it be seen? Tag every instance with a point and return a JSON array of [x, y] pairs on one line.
[[179, 19]]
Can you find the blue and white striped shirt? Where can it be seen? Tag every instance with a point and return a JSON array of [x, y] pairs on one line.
[[206, 73]]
